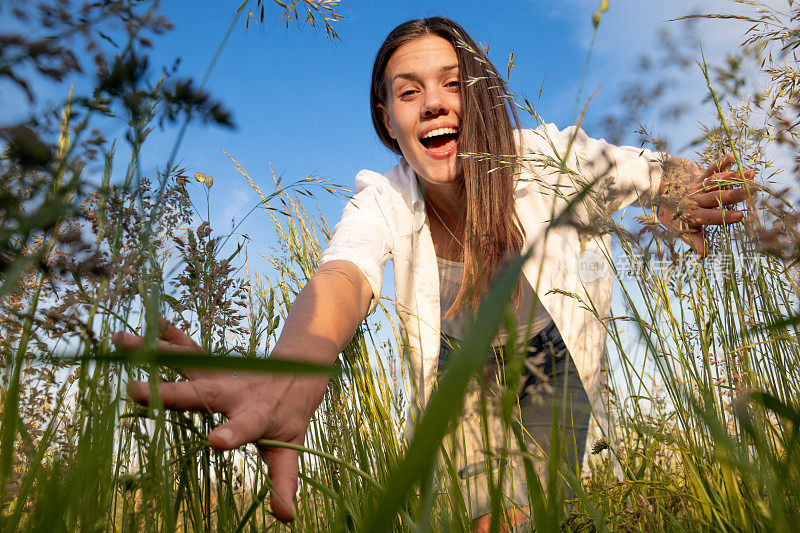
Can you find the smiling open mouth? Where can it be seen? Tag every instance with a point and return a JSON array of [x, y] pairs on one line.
[[439, 139]]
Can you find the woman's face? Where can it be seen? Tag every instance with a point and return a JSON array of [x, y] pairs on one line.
[[423, 107]]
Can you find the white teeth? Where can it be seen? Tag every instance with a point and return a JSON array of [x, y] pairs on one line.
[[440, 131]]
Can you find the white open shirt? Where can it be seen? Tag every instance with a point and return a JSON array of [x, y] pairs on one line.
[[386, 219]]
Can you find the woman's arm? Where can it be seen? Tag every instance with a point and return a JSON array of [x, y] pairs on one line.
[[688, 196], [321, 322], [325, 314], [614, 176]]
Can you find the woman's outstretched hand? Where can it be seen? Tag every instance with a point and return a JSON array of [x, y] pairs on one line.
[[698, 197], [275, 407], [257, 405]]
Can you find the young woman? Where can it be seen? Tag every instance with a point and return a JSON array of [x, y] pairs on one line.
[[469, 190]]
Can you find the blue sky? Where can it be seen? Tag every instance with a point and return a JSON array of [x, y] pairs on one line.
[[300, 101]]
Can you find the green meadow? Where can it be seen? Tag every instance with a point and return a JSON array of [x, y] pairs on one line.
[[703, 372]]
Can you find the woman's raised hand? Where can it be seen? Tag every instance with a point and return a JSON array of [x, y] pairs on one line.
[[257, 405], [698, 197]]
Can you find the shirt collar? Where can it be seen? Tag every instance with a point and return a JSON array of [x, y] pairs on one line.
[[414, 193], [413, 188]]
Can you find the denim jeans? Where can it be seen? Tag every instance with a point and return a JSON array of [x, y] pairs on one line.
[[549, 381]]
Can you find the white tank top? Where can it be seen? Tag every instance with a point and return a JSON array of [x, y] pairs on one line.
[[450, 273]]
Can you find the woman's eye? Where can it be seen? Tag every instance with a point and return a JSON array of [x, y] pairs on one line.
[[407, 94], [453, 84]]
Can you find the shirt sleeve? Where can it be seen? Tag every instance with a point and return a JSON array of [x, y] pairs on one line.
[[618, 176], [362, 236]]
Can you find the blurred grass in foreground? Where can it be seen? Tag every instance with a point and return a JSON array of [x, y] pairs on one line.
[[705, 414]]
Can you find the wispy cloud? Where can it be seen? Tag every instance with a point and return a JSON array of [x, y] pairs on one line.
[[631, 29]]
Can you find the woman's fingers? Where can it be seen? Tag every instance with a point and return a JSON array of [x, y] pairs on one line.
[[719, 166], [172, 334], [283, 468], [249, 420], [249, 426], [128, 341], [200, 395], [697, 240], [720, 198], [241, 428], [172, 340], [713, 217], [702, 198], [723, 179]]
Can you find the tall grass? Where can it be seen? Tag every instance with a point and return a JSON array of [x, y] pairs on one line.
[[705, 408]]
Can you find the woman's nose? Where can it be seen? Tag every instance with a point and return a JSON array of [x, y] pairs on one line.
[[435, 103]]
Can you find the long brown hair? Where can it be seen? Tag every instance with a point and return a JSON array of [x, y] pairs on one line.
[[486, 140]]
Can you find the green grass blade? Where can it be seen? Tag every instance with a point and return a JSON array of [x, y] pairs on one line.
[[445, 403]]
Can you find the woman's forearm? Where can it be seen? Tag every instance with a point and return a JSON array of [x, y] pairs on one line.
[[325, 315]]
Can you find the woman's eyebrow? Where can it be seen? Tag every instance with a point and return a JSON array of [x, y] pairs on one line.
[[415, 77]]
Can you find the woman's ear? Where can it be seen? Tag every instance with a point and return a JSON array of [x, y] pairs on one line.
[[387, 121]]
